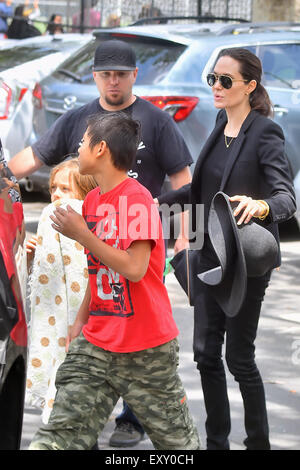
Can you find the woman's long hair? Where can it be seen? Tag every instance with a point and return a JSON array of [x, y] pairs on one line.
[[251, 69]]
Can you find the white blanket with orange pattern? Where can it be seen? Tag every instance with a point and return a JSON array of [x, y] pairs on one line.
[[57, 286]]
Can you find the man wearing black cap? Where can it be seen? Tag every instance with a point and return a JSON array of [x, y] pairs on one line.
[[162, 151]]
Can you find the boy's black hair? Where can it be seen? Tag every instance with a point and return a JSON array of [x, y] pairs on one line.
[[121, 134]]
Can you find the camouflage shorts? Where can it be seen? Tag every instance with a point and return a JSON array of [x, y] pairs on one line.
[[89, 384]]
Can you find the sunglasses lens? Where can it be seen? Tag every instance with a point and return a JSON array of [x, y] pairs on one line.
[[225, 81], [211, 79]]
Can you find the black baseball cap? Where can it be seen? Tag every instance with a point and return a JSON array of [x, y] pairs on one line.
[[114, 55]]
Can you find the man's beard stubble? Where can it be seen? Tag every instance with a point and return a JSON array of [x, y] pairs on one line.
[[115, 102]]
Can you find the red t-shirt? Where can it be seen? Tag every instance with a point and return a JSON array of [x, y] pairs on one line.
[[127, 316]]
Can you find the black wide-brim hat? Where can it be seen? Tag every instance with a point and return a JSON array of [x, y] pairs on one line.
[[246, 250]]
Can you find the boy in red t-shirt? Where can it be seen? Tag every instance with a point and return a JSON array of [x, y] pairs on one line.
[[123, 341]]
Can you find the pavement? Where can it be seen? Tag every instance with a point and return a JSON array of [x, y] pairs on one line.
[[277, 354]]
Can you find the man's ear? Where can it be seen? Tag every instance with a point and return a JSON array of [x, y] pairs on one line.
[[135, 72]]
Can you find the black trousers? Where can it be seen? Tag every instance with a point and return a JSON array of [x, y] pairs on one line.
[[210, 327]]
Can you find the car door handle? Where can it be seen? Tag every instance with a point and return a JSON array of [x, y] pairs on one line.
[[278, 109]]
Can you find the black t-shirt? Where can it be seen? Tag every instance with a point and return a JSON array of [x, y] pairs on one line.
[[162, 149]]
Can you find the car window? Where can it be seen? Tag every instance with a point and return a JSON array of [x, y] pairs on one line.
[[18, 55], [281, 65], [154, 60], [79, 64], [189, 67]]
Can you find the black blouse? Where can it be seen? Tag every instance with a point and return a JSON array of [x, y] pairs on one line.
[[212, 170]]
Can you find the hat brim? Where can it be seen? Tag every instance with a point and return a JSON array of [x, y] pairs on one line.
[[121, 68], [228, 282], [186, 265]]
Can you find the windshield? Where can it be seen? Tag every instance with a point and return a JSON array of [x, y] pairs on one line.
[[154, 60]]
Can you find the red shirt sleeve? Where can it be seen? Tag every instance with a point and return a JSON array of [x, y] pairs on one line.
[[139, 220]]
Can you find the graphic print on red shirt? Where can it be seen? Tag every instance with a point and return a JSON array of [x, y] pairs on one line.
[[111, 291]]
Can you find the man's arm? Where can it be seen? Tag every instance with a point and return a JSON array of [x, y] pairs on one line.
[[181, 178], [178, 180], [131, 263], [24, 163]]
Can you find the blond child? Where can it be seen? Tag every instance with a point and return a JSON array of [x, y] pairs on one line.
[[57, 285]]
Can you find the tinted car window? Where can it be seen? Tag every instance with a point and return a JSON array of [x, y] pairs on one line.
[[154, 60], [78, 65], [281, 64]]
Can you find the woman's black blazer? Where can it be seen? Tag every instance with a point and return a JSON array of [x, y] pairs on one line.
[[257, 167]]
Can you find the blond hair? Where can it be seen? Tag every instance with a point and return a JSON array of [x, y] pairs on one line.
[[83, 184]]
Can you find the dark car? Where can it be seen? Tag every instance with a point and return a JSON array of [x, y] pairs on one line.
[[13, 329], [173, 62]]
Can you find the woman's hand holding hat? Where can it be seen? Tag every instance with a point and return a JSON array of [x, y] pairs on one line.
[[250, 207]]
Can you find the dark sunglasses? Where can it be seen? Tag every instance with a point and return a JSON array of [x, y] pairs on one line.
[[224, 80]]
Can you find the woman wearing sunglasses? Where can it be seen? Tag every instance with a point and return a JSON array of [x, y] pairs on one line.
[[243, 157]]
